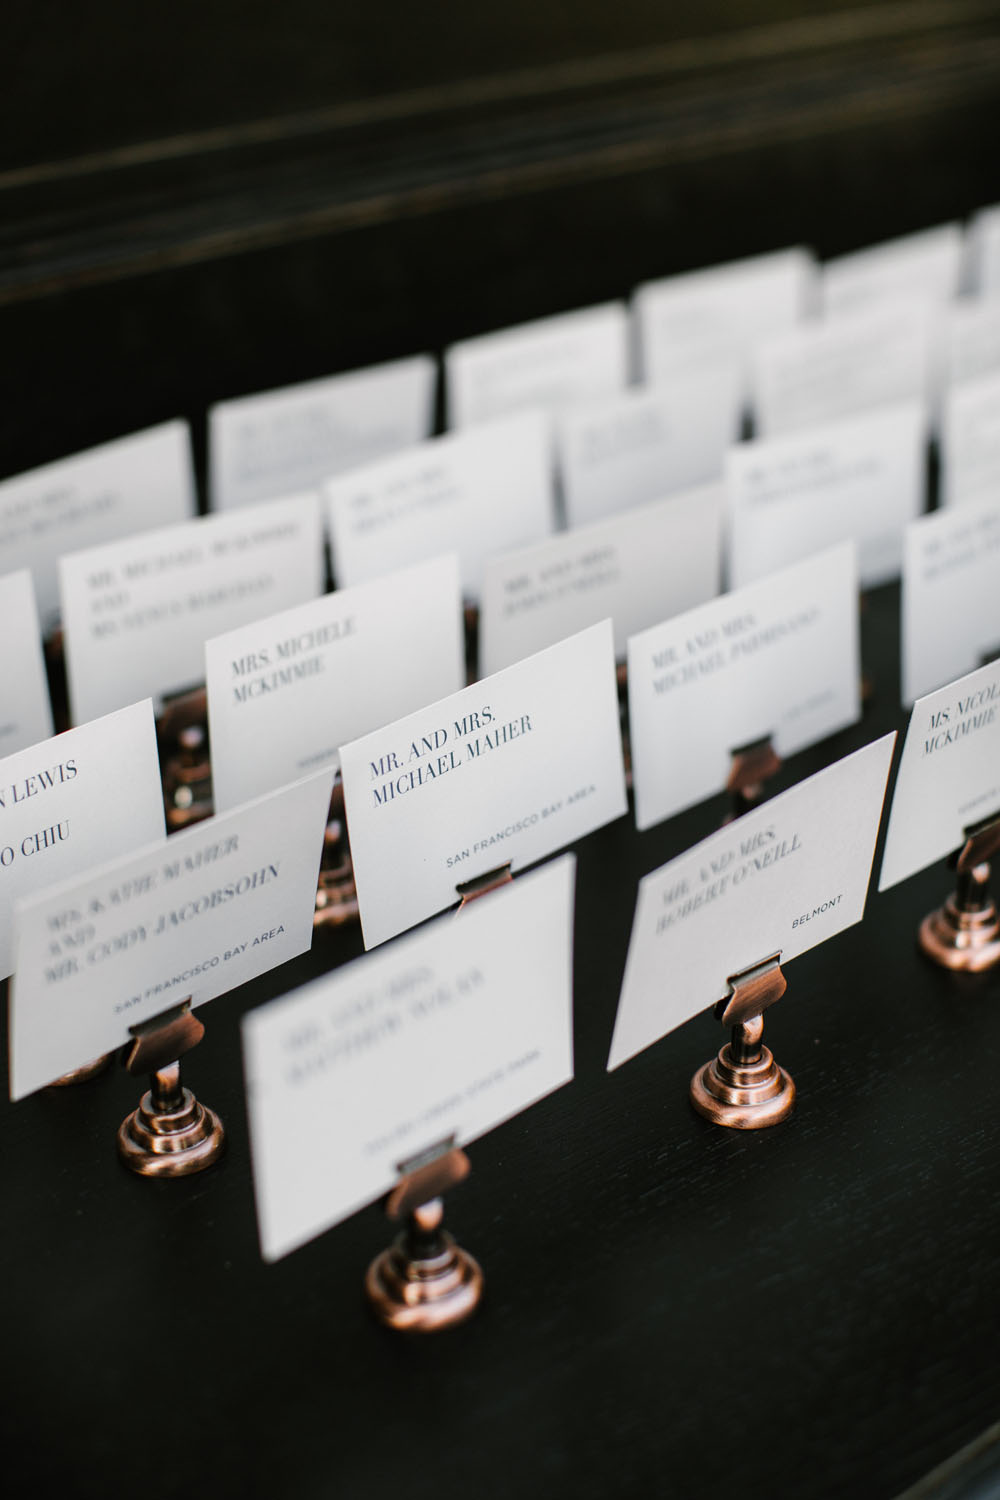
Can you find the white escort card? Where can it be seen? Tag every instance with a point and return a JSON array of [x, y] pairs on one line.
[[443, 1036], [716, 315], [25, 709], [951, 595], [189, 918], [474, 493], [970, 441], [861, 479], [971, 343], [984, 251], [137, 612], [643, 444], [923, 265], [779, 659], [282, 442], [286, 692], [825, 371], [546, 364], [129, 485], [781, 879], [509, 770], [949, 774], [634, 569], [73, 801]]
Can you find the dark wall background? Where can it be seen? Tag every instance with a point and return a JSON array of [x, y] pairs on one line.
[[199, 200]]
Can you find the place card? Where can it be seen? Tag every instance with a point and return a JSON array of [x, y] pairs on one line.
[[970, 441], [25, 709], [122, 487], [546, 365], [509, 770], [137, 612], [72, 801], [286, 692], [949, 774], [784, 877], [189, 918], [286, 441], [716, 315], [923, 265], [635, 568], [971, 341], [826, 371], [779, 658], [441, 1037], [643, 444], [474, 493], [951, 598], [861, 479], [984, 251]]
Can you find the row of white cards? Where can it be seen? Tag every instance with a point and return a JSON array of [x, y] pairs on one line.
[[507, 771], [889, 336], [239, 597]]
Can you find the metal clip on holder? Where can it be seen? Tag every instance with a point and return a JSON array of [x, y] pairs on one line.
[[752, 765], [481, 885], [964, 933], [170, 1134], [424, 1281], [744, 1087]]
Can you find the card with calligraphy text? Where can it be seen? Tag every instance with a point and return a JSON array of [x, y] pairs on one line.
[[437, 1038], [132, 484], [949, 774], [643, 444], [924, 265], [25, 709], [286, 441], [951, 595], [474, 493], [635, 568], [544, 365], [507, 771], [970, 441], [853, 364], [784, 877], [137, 613], [702, 318], [191, 917], [286, 692], [74, 801], [777, 659], [860, 480]]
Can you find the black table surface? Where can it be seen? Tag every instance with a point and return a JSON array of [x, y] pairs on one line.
[[671, 1308]]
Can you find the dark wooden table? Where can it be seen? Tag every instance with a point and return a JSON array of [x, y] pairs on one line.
[[672, 1309]]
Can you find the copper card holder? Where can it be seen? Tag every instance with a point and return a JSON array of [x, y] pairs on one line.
[[170, 1134], [182, 731], [424, 1281], [752, 767], [964, 933], [743, 1087], [336, 891]]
